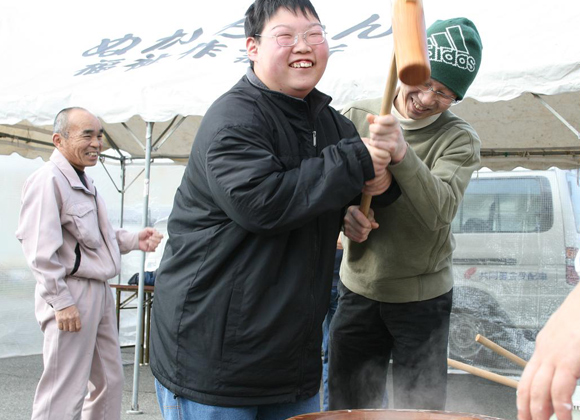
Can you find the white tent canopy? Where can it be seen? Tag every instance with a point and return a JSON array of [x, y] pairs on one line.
[[127, 62]]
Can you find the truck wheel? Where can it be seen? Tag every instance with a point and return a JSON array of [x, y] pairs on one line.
[[477, 312], [462, 332]]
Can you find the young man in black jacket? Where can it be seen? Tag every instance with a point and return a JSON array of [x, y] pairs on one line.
[[244, 284]]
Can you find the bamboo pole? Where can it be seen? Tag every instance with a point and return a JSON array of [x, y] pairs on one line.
[[494, 377], [500, 350]]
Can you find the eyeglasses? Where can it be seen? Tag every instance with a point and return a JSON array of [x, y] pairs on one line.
[[439, 96], [311, 37]]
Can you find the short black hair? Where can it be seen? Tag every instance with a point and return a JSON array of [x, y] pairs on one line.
[[61, 125], [261, 11]]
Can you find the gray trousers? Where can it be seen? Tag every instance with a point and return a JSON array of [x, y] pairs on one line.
[[83, 371]]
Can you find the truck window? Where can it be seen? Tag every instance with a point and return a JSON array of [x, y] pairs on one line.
[[502, 205]]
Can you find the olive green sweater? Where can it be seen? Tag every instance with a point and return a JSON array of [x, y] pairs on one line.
[[409, 257]]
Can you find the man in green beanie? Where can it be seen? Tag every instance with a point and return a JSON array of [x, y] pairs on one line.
[[396, 285]]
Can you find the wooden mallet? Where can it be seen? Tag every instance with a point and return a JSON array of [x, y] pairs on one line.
[[410, 57]]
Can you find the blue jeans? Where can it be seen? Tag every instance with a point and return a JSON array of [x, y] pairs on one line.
[[178, 408], [325, 330]]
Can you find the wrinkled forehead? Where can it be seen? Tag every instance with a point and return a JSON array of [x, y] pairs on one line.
[[85, 122]]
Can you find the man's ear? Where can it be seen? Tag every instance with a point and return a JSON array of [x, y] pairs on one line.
[[56, 139], [252, 48]]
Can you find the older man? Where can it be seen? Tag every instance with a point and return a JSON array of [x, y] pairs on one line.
[[396, 284], [73, 250]]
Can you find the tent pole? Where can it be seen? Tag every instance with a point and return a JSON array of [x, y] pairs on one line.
[[166, 137], [122, 216], [123, 181], [141, 291], [555, 113]]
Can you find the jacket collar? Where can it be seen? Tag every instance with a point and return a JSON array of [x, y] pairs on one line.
[[64, 166], [315, 100]]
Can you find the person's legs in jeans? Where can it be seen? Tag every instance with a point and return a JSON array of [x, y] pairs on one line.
[[325, 340], [285, 411], [421, 332], [178, 408], [359, 353]]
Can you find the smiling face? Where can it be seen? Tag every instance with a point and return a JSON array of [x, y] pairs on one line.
[[84, 142], [412, 103], [294, 70]]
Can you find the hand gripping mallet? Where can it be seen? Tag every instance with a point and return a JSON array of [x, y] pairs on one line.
[[410, 57]]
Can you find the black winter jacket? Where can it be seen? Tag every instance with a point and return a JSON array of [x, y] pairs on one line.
[[244, 283]]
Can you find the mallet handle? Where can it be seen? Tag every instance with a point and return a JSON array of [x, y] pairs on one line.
[[386, 105]]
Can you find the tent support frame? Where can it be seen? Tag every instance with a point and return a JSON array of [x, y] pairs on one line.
[[557, 115], [141, 285]]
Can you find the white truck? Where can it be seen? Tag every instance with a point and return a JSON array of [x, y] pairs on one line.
[[516, 234]]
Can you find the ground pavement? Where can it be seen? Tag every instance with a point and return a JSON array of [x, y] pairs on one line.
[[19, 376]]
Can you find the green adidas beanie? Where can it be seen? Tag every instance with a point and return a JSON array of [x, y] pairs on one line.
[[454, 53]]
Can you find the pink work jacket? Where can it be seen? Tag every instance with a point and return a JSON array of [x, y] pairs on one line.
[[58, 212]]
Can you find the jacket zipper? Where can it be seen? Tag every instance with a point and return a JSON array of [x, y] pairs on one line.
[[314, 138]]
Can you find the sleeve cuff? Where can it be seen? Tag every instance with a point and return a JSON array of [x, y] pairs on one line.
[[62, 302], [364, 157], [128, 241]]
